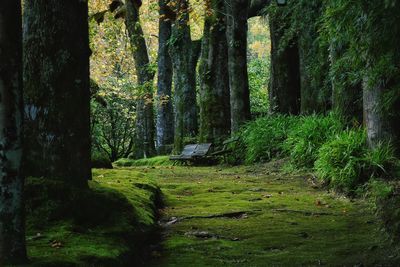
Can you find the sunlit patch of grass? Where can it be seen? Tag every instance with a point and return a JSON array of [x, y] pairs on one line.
[[155, 161]]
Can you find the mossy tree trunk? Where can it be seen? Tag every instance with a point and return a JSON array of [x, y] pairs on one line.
[[165, 115], [145, 127], [236, 15], [214, 90], [56, 87], [381, 121], [284, 88], [12, 232], [183, 55]]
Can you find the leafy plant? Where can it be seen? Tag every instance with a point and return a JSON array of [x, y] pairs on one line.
[[341, 161], [263, 137], [113, 122], [258, 82], [346, 161], [308, 136]]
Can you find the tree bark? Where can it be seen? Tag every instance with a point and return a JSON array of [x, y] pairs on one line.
[[236, 15], [382, 125], [57, 94], [165, 115], [144, 107], [12, 232], [183, 56], [214, 90], [284, 88]]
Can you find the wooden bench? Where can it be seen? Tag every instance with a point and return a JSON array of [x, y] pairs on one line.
[[193, 153]]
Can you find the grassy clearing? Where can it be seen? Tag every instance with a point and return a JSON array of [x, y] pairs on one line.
[[96, 227], [283, 220]]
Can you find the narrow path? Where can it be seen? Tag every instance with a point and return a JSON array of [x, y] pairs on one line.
[[255, 216]]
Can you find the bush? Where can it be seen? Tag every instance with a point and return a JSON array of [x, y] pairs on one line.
[[345, 162], [308, 136], [340, 161], [101, 161], [263, 137]]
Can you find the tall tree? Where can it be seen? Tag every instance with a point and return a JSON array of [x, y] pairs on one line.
[[284, 87], [12, 234], [165, 116], [144, 108], [313, 61], [214, 90], [56, 86], [236, 15], [183, 55]]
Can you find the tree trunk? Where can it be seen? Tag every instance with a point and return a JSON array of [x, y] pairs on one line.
[[165, 116], [57, 94], [379, 124], [144, 107], [236, 14], [214, 90], [12, 232], [284, 88], [184, 76]]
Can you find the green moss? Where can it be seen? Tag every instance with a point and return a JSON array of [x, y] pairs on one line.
[[155, 161], [96, 227], [286, 223], [283, 221]]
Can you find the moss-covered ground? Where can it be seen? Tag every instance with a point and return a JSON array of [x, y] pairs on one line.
[[214, 216], [257, 216], [111, 224]]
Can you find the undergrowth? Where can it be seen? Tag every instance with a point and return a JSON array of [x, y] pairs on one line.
[[345, 162], [340, 157], [308, 135], [263, 138]]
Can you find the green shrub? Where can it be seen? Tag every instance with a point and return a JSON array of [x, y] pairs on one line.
[[381, 162], [101, 161], [263, 137], [345, 162], [340, 161], [305, 139]]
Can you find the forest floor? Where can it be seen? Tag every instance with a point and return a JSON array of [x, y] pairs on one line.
[[258, 216], [212, 216]]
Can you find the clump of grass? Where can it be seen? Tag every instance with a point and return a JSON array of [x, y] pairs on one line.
[[340, 161], [155, 161], [263, 137], [308, 135], [346, 162]]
